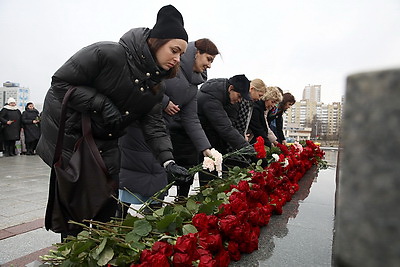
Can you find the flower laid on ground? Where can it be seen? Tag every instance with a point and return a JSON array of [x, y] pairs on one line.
[[213, 227]]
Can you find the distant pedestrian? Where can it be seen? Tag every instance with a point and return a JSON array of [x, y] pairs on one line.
[[31, 125], [10, 117]]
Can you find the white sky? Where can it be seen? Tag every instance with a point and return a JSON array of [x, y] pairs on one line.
[[287, 43]]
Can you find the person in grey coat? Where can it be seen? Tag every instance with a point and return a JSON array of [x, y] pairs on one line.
[[218, 104], [180, 107]]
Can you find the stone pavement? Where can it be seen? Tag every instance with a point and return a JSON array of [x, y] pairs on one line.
[[301, 236]]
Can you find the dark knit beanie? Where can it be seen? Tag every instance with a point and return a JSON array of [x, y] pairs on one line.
[[169, 24], [241, 85]]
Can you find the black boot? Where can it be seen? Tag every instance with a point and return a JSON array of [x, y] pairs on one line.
[[6, 150], [13, 151]]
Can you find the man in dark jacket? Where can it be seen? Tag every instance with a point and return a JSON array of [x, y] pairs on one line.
[[117, 84], [218, 105]]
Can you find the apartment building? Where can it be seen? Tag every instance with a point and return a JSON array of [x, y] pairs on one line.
[[11, 89]]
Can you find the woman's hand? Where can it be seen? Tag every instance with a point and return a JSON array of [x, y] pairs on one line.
[[172, 109]]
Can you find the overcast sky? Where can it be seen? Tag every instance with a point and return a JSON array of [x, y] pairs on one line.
[[288, 43]]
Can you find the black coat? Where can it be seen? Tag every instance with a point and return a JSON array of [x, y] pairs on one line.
[[275, 122], [216, 115], [140, 171], [31, 130], [258, 124], [124, 73], [182, 90], [11, 132]]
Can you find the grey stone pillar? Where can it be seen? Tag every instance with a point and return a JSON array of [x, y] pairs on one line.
[[367, 223]]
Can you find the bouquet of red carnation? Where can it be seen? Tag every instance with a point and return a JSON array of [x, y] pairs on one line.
[[260, 148]]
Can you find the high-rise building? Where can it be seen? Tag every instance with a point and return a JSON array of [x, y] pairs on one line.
[[322, 119], [312, 92], [11, 89]]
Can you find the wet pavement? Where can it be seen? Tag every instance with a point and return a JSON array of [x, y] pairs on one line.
[[301, 236]]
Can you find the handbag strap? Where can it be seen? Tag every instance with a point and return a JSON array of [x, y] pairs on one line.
[[87, 134], [61, 127], [86, 131]]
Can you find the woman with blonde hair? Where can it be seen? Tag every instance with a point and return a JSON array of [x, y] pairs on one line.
[[258, 125]]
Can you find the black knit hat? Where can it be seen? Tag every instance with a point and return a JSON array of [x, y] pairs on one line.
[[241, 85], [169, 24]]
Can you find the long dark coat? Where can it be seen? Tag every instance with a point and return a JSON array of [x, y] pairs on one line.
[[216, 114], [140, 171], [31, 130], [275, 122], [258, 124], [182, 90], [11, 132]]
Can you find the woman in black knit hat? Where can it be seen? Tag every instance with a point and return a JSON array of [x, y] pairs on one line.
[[117, 84]]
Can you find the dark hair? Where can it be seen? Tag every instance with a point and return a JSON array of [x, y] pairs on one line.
[[154, 45], [27, 104], [287, 98], [206, 46]]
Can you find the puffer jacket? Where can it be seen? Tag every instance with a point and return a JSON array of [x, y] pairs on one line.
[[216, 115], [124, 73], [31, 130], [182, 91], [140, 172], [258, 124]]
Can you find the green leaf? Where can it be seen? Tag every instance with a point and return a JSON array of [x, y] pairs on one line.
[[168, 209], [189, 228], [164, 223], [207, 191], [131, 237], [178, 208], [210, 207], [106, 255], [138, 245], [130, 220], [192, 206], [99, 249], [142, 228]]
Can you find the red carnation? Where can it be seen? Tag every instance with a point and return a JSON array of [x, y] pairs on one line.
[[186, 244], [181, 260], [233, 249], [163, 248]]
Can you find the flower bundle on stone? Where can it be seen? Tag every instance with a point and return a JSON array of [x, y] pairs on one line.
[[213, 228]]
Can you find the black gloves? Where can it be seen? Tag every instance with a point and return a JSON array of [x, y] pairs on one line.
[[177, 173], [111, 116]]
